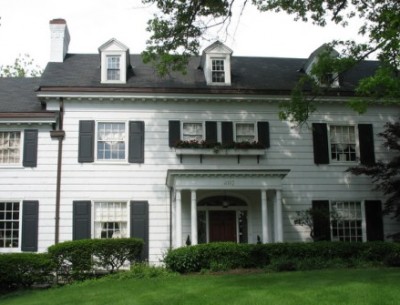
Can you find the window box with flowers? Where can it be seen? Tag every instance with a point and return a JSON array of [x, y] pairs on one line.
[[202, 148]]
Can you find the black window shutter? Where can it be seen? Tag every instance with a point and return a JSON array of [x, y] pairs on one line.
[[366, 140], [136, 142], [227, 132], [86, 141], [30, 225], [30, 148], [320, 143], [211, 132], [373, 215], [321, 220], [263, 133], [174, 132], [81, 227], [140, 224]]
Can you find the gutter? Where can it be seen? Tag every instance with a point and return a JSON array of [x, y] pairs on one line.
[[58, 134]]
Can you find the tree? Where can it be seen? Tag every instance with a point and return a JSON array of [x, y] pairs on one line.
[[23, 66], [177, 31], [386, 175]]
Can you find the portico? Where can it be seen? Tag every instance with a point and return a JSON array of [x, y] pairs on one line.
[[231, 205]]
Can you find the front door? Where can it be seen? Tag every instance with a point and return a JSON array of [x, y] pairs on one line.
[[222, 226]]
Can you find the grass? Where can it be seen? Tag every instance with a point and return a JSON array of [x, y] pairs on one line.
[[323, 287]]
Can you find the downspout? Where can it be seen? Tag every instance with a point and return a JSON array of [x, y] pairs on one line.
[[58, 134]]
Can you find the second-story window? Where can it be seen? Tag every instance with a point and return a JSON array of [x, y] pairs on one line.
[[192, 131], [113, 68], [10, 147], [218, 71], [245, 132], [343, 143], [111, 138]]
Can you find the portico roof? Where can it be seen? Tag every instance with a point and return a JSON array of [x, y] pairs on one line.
[[247, 179]]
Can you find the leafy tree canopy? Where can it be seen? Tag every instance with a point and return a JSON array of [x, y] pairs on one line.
[[23, 66], [177, 30]]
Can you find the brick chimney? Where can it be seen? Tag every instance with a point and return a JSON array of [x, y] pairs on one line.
[[59, 40]]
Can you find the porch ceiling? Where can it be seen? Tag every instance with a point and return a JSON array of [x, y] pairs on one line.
[[226, 179]]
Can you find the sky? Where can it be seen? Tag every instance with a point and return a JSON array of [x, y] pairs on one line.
[[24, 29]]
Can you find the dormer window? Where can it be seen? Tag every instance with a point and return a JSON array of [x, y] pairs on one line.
[[326, 79], [216, 64], [115, 62], [218, 71], [113, 67]]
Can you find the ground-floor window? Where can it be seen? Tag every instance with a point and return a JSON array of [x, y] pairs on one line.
[[346, 221], [9, 224], [110, 219]]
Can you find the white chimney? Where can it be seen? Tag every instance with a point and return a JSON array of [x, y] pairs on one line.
[[59, 40]]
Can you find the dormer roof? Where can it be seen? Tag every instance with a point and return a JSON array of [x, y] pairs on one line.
[[312, 59], [215, 48], [113, 44]]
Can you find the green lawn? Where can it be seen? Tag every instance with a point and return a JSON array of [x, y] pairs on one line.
[[325, 287]]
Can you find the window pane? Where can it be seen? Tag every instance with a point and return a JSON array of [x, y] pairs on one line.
[[10, 144], [110, 219], [348, 223], [343, 144], [9, 224], [218, 71], [245, 132], [113, 68], [192, 131], [111, 141]]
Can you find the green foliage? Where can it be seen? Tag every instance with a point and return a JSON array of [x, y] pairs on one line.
[[279, 256], [77, 260], [143, 271], [24, 269], [23, 66]]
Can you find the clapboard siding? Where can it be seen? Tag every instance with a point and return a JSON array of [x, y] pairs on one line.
[[290, 148]]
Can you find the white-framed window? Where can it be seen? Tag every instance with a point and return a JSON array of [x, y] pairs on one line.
[[113, 67], [111, 141], [9, 224], [343, 144], [245, 132], [10, 147], [347, 221], [111, 219], [218, 70], [192, 131]]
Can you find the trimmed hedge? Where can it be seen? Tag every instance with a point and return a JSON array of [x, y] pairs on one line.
[[77, 260], [24, 269], [284, 256]]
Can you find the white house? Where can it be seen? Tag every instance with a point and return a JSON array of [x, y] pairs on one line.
[[100, 146]]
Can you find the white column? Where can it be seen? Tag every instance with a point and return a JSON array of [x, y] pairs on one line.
[[194, 217], [178, 221], [278, 217], [264, 216]]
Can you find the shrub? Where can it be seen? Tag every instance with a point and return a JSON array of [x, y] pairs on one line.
[[78, 260], [24, 269], [143, 270], [112, 254], [281, 256]]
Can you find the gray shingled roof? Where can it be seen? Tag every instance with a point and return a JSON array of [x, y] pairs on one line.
[[18, 95], [248, 74]]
